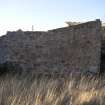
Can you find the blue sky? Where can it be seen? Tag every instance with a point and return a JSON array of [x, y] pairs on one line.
[[47, 14]]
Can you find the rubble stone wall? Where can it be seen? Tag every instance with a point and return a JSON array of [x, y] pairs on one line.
[[69, 49]]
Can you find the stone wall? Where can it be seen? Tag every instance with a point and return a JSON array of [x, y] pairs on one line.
[[69, 49]]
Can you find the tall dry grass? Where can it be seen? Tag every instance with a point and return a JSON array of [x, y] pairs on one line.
[[72, 90]]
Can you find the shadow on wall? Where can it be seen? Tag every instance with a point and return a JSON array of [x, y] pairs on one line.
[[10, 68]]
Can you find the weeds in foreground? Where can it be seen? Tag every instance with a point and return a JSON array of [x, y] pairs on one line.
[[52, 91]]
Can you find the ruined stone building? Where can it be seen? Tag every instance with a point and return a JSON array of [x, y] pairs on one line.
[[69, 49]]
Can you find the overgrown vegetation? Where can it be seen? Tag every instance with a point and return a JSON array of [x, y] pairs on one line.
[[78, 90]]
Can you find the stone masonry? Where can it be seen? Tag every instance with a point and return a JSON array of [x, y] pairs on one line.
[[70, 49]]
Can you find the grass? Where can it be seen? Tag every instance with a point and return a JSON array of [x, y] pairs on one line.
[[73, 90]]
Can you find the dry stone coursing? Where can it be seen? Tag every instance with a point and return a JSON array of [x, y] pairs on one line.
[[64, 50]]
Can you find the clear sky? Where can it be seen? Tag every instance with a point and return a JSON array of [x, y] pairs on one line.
[[47, 14]]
